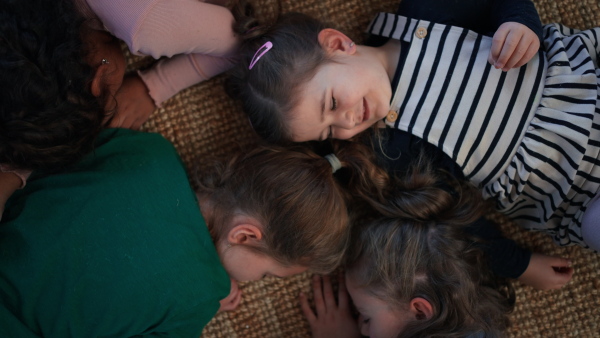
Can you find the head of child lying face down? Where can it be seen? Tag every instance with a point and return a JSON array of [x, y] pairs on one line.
[[413, 279], [418, 274], [59, 81], [275, 211]]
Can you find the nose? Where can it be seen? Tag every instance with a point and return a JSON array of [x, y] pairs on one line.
[[347, 119]]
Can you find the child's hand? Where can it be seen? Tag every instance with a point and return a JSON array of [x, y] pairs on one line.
[[232, 301], [513, 45], [134, 104], [547, 272], [330, 319]]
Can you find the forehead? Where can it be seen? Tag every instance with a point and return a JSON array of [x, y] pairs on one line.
[[306, 121]]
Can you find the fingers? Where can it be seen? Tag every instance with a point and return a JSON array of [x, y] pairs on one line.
[[547, 272], [328, 293], [559, 279], [318, 294], [324, 297], [516, 55], [513, 45], [125, 120], [132, 103], [531, 51], [232, 301], [563, 271], [342, 291], [235, 301], [306, 309], [507, 50], [497, 45], [559, 262]]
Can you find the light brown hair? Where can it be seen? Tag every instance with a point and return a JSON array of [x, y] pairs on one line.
[[431, 256], [296, 197]]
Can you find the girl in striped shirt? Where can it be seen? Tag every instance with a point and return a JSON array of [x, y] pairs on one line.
[[520, 122]]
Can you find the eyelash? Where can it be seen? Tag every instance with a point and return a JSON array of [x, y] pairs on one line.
[[333, 107]]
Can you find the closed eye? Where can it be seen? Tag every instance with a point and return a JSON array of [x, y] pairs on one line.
[[333, 103]]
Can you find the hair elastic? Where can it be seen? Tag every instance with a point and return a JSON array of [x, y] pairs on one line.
[[105, 61], [260, 52], [334, 161]]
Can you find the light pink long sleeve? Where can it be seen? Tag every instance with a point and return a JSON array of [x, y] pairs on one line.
[[22, 174], [201, 31]]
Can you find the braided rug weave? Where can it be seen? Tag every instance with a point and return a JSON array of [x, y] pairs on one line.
[[203, 121]]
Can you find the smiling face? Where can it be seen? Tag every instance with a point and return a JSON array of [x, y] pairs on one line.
[[377, 319], [344, 98]]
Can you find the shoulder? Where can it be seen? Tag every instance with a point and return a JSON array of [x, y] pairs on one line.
[[122, 235]]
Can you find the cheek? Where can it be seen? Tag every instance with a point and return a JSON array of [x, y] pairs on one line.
[[344, 134], [242, 272]]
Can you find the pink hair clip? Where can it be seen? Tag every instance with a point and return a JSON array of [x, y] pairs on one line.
[[260, 52]]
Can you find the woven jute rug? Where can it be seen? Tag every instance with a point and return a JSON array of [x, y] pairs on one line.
[[203, 121]]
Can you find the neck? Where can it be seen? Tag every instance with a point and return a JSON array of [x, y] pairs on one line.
[[386, 55], [390, 53]]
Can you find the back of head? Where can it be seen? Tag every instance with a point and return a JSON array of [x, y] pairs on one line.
[[267, 90], [398, 259], [48, 117], [294, 195]]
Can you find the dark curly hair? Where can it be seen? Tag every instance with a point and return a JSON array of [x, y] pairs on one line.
[[48, 117]]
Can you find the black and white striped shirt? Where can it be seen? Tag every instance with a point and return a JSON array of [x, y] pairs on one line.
[[449, 95]]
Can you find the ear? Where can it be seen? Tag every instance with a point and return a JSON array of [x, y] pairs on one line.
[[421, 308], [96, 86], [332, 41], [246, 231]]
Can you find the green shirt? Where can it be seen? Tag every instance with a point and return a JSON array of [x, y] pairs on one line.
[[114, 247]]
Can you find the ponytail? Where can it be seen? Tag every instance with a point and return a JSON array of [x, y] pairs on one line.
[[246, 26], [422, 193]]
